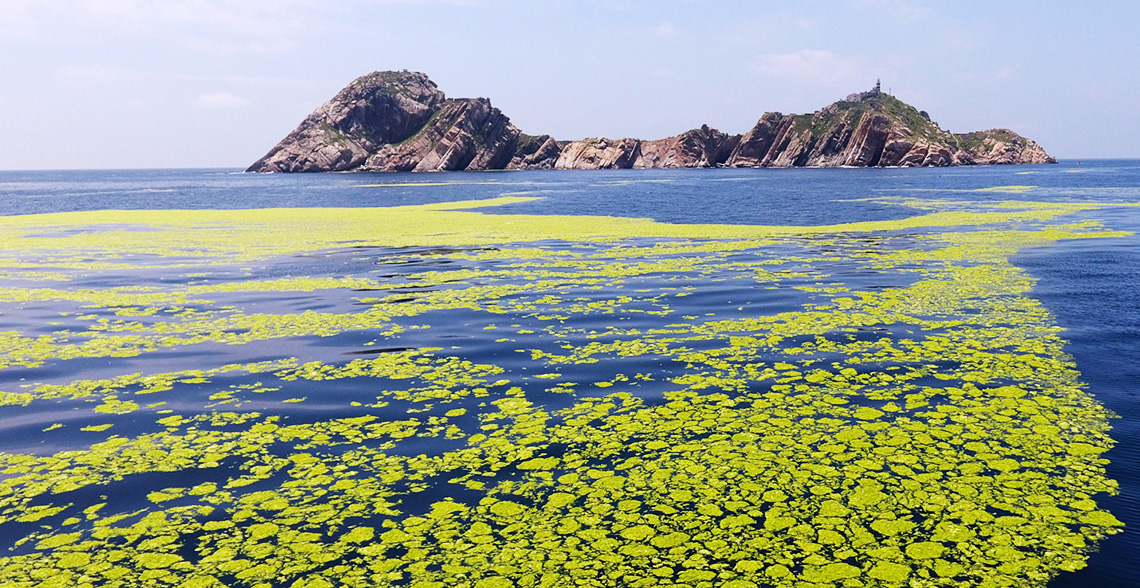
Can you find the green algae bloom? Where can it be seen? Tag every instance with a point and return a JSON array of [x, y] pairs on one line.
[[872, 404]]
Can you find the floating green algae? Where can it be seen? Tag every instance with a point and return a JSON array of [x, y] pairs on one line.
[[873, 404]]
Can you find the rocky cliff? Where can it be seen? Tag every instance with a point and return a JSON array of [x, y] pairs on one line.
[[465, 134], [374, 111], [400, 121], [1002, 146], [865, 130]]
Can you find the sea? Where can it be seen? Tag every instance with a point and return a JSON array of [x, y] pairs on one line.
[[572, 403]]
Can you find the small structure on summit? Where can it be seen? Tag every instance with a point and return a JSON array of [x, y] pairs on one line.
[[401, 121]]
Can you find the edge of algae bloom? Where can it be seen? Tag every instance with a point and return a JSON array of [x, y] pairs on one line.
[[244, 235], [924, 428]]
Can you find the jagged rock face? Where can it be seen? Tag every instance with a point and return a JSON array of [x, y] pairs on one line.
[[532, 152], [374, 110], [400, 121], [703, 147], [1002, 146], [867, 130], [599, 153], [755, 148], [466, 134]]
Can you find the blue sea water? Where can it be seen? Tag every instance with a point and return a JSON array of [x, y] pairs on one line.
[[1091, 286]]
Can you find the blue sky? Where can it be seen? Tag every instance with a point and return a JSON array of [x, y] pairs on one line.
[[204, 83]]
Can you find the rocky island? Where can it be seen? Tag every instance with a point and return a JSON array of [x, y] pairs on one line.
[[400, 121]]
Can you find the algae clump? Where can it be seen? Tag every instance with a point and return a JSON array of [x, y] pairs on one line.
[[674, 404]]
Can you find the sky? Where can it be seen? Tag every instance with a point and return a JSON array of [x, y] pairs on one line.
[[88, 84]]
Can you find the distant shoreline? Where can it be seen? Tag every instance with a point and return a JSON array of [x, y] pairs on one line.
[[241, 170], [400, 121]]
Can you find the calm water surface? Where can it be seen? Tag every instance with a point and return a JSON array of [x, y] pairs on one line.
[[1090, 286]]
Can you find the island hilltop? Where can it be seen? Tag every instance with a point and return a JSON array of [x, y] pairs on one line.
[[400, 121]]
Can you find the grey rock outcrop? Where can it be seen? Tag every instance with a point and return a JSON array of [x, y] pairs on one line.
[[465, 134], [703, 147], [1002, 146], [865, 130], [535, 152], [601, 153], [375, 110], [400, 121]]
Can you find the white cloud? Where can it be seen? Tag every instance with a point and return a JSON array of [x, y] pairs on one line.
[[217, 26], [18, 19], [811, 66], [221, 100], [248, 17], [960, 41], [665, 29], [909, 11], [90, 74], [987, 77], [806, 24], [258, 81], [73, 75], [1109, 94], [204, 26], [1004, 73]]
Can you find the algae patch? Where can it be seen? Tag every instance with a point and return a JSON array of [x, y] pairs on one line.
[[450, 398]]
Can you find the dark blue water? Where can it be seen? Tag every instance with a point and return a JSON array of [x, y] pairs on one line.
[[746, 196], [1092, 288], [1090, 285]]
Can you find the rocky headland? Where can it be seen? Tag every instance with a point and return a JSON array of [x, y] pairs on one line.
[[400, 121]]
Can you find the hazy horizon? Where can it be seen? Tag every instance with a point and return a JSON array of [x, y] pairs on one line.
[[133, 84], [242, 168]]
